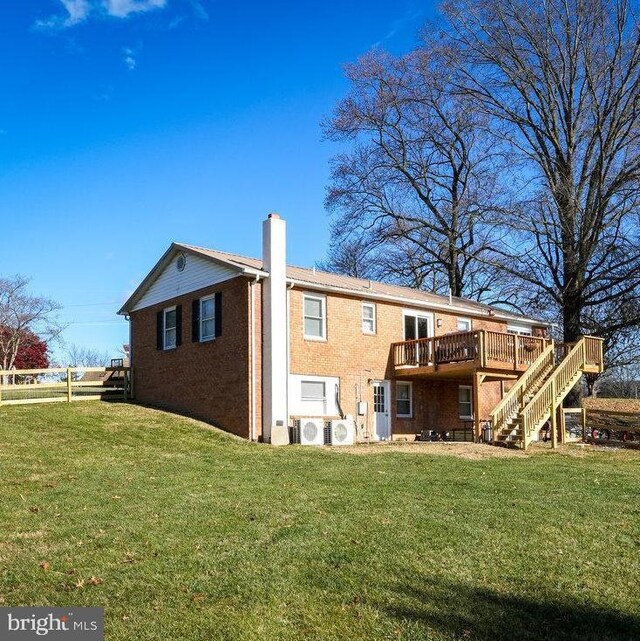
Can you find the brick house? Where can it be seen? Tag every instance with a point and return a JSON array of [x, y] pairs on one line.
[[253, 345]]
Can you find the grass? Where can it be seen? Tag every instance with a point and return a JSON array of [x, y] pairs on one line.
[[184, 533]]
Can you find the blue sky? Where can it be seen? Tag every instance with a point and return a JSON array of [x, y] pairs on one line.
[[126, 124]]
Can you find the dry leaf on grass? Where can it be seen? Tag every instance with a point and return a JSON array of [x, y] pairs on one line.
[[94, 580], [45, 565]]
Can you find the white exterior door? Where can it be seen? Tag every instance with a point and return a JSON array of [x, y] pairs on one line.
[[381, 419]]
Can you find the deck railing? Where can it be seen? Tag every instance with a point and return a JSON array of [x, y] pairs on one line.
[[483, 347], [509, 407], [586, 352]]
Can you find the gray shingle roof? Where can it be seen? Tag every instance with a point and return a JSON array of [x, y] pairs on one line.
[[317, 279]]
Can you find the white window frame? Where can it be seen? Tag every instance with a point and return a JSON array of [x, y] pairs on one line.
[[296, 403], [410, 386], [418, 314], [468, 417], [203, 338], [365, 329], [468, 321], [165, 329], [323, 318], [519, 328], [315, 399]]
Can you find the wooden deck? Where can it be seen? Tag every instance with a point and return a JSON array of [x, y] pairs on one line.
[[499, 355]]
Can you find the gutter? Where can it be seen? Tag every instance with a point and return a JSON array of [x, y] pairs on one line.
[[417, 303]]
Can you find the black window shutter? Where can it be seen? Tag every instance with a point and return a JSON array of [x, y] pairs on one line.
[[195, 320], [218, 313], [178, 325], [160, 330]]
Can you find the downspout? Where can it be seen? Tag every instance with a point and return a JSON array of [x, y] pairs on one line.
[[127, 317], [289, 288], [252, 317]]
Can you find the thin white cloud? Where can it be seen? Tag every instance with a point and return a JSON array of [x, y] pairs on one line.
[[123, 8], [78, 11], [129, 58]]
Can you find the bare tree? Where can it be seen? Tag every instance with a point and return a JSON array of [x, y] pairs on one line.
[[79, 356], [414, 193], [22, 314], [559, 81]]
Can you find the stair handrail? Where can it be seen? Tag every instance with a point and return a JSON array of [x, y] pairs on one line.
[[546, 398], [511, 404]]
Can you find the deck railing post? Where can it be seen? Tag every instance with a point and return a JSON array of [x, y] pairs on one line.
[[554, 426], [482, 348], [68, 385], [516, 344]]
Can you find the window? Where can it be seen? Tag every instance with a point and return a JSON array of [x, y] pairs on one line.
[[464, 324], [416, 326], [313, 396], [207, 318], [170, 325], [516, 328], [368, 318], [465, 401], [404, 400], [314, 317]]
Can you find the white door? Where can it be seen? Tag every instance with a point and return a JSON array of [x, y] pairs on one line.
[[381, 410]]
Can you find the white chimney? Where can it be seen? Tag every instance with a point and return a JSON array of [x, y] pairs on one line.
[[275, 419]]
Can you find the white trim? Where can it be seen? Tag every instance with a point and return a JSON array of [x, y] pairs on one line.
[[299, 406], [165, 311], [424, 305], [470, 388], [409, 384], [373, 318], [386, 384], [418, 313], [520, 328], [187, 283], [323, 318], [202, 337]]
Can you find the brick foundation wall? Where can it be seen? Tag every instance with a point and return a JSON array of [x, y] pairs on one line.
[[207, 380], [358, 359]]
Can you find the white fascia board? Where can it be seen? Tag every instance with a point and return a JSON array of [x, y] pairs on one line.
[[469, 311], [166, 259]]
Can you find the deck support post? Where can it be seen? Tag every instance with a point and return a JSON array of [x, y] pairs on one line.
[[561, 425], [554, 422]]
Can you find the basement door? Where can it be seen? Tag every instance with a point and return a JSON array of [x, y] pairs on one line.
[[381, 420]]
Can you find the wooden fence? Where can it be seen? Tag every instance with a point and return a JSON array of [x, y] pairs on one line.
[[64, 384]]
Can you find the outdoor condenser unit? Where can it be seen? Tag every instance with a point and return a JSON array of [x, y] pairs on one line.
[[342, 432], [311, 431]]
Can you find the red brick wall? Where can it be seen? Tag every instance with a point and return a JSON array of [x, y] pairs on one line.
[[207, 380], [359, 358]]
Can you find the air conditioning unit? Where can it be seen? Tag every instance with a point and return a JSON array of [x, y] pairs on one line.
[[342, 432], [311, 431]]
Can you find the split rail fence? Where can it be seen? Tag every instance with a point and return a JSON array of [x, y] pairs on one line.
[[65, 384]]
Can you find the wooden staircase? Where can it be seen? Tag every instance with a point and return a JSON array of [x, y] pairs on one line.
[[539, 392]]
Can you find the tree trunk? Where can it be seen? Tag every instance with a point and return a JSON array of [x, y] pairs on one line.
[[571, 312]]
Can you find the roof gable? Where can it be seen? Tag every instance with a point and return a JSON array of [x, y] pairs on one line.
[[165, 281]]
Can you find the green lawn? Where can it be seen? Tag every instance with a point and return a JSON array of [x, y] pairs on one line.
[[183, 533]]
